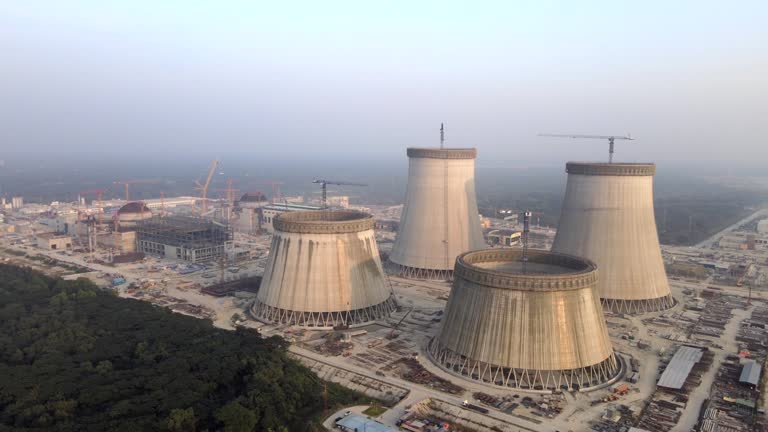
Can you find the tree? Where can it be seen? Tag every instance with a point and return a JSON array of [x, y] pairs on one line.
[[182, 420], [237, 418]]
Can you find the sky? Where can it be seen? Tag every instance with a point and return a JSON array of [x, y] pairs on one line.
[[361, 80]]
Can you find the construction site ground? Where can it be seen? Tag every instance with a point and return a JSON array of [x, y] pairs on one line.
[[402, 361]]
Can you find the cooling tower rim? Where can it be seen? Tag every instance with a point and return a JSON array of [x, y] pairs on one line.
[[323, 222], [441, 153], [582, 274], [611, 169]]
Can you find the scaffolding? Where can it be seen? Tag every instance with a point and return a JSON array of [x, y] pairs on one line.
[[189, 239]]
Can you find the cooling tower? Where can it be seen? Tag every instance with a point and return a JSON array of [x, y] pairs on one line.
[[607, 217], [542, 328], [323, 270], [440, 218]]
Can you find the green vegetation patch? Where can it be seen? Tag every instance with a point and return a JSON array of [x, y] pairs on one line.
[[74, 358], [374, 411]]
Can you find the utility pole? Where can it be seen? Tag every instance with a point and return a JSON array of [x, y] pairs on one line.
[[442, 135]]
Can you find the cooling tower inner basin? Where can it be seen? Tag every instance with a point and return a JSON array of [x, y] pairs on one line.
[[538, 326], [323, 271], [517, 267], [539, 264]]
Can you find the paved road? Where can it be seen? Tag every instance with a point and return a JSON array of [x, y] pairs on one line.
[[418, 393], [711, 240]]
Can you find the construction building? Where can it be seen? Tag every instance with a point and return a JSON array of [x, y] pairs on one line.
[[269, 212], [130, 214], [440, 219], [533, 323], [323, 271], [504, 237], [184, 238], [607, 217], [53, 241], [248, 211]]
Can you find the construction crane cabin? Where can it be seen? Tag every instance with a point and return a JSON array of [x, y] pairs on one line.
[[610, 138]]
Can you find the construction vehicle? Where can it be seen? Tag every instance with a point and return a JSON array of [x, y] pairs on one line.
[[610, 138], [391, 334]]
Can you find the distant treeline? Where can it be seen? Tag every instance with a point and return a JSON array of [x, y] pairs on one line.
[[74, 358]]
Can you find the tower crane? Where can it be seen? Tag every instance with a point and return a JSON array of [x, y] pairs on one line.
[[526, 232], [324, 185], [610, 138], [276, 195], [203, 188], [230, 198], [128, 183], [98, 193]]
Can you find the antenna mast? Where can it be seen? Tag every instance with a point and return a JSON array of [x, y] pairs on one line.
[[442, 135]]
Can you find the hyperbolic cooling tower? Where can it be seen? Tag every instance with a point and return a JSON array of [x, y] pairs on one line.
[[539, 329], [607, 217], [440, 218], [323, 270]]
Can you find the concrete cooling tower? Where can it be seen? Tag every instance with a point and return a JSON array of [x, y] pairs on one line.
[[538, 328], [440, 218], [607, 217], [323, 270]]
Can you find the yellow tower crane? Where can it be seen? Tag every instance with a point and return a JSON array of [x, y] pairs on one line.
[[203, 188]]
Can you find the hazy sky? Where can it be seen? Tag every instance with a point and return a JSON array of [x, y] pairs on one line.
[[364, 79]]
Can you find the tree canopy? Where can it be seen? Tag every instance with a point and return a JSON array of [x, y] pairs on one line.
[[75, 358]]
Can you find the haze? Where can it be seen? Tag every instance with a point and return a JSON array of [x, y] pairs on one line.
[[354, 80]]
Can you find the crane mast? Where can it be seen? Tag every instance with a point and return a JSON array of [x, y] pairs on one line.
[[526, 232], [611, 140], [203, 188], [324, 186]]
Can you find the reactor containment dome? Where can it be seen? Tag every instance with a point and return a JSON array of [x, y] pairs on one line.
[[323, 271], [538, 326], [607, 217], [440, 218]]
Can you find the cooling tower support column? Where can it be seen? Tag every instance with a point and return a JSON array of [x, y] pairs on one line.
[[323, 271], [607, 217], [440, 218], [539, 328]]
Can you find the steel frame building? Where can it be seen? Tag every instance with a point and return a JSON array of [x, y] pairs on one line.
[[539, 328], [185, 238]]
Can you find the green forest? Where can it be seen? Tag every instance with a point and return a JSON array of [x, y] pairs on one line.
[[75, 358]]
